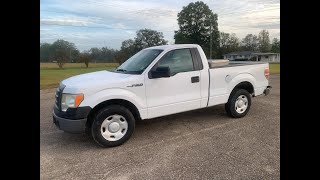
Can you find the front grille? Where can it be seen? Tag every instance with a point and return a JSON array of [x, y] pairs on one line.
[[58, 96]]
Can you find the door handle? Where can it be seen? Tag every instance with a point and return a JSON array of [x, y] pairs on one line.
[[195, 79]]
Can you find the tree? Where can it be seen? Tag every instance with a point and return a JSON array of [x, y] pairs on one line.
[[45, 49], [127, 44], [74, 55], [85, 58], [144, 38], [95, 53], [60, 56], [275, 46], [234, 43], [62, 51], [194, 22], [224, 39], [107, 54], [264, 41], [103, 54], [250, 43], [229, 43], [147, 38], [128, 49]]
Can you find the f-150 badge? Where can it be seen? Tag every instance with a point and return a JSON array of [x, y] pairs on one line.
[[135, 85]]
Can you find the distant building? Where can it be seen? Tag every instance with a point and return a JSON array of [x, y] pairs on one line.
[[252, 56]]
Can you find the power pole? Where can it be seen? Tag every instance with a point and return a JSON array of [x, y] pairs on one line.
[[70, 54], [210, 41]]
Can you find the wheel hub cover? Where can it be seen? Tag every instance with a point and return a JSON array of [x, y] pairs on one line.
[[114, 127], [240, 103]]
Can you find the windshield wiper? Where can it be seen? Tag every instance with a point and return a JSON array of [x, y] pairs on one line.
[[123, 70]]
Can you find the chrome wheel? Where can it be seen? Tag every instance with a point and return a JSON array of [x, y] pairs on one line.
[[241, 104], [114, 127]]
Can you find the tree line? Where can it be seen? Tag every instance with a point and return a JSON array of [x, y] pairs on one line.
[[197, 25], [230, 43], [62, 51]]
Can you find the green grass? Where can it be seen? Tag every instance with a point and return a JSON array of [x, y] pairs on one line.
[[51, 75], [76, 65], [274, 68]]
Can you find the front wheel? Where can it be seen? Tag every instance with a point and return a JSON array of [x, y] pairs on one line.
[[112, 126], [239, 103]]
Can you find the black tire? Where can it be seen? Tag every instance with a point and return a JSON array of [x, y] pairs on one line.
[[105, 113], [230, 106]]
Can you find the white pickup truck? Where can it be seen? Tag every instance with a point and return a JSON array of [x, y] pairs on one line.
[[157, 81]]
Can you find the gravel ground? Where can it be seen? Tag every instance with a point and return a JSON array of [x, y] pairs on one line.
[[201, 144]]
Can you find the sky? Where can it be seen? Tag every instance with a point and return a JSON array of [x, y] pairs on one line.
[[100, 23]]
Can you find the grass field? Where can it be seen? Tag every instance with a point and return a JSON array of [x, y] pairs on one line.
[[274, 68], [51, 75], [76, 65]]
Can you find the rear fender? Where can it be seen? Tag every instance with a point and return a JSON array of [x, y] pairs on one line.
[[243, 77]]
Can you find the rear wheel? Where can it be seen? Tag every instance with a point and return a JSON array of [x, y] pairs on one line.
[[112, 126], [238, 104]]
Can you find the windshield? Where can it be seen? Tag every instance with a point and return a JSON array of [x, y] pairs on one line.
[[139, 62]]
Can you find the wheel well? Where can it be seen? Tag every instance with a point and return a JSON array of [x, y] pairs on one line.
[[245, 85], [131, 107]]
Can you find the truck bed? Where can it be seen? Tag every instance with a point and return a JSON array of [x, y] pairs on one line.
[[222, 81]]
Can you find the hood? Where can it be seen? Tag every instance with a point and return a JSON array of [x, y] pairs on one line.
[[97, 80]]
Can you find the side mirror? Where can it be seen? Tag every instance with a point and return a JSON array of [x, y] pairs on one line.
[[160, 72]]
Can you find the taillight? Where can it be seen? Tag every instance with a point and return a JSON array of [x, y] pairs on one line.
[[266, 72]]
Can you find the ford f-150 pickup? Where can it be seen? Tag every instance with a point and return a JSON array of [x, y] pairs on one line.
[[157, 81]]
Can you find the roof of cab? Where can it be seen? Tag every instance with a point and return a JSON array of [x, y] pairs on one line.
[[174, 46]]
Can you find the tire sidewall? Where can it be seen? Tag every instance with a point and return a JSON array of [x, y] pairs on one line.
[[102, 115], [232, 102]]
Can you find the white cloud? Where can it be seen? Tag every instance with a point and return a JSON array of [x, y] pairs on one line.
[[110, 22], [69, 20]]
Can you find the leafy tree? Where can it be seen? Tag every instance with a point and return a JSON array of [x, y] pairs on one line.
[[224, 39], [275, 46], [250, 43], [264, 41], [144, 38], [108, 54], [147, 38], [234, 43], [85, 58], [229, 43], [62, 52], [128, 49], [95, 53], [127, 44], [45, 49], [74, 55], [103, 54], [60, 56], [194, 22]]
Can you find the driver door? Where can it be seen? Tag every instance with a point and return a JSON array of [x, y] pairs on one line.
[[177, 93]]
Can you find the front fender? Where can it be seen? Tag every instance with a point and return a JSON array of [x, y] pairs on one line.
[[116, 93]]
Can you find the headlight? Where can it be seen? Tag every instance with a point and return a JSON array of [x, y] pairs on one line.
[[70, 101]]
